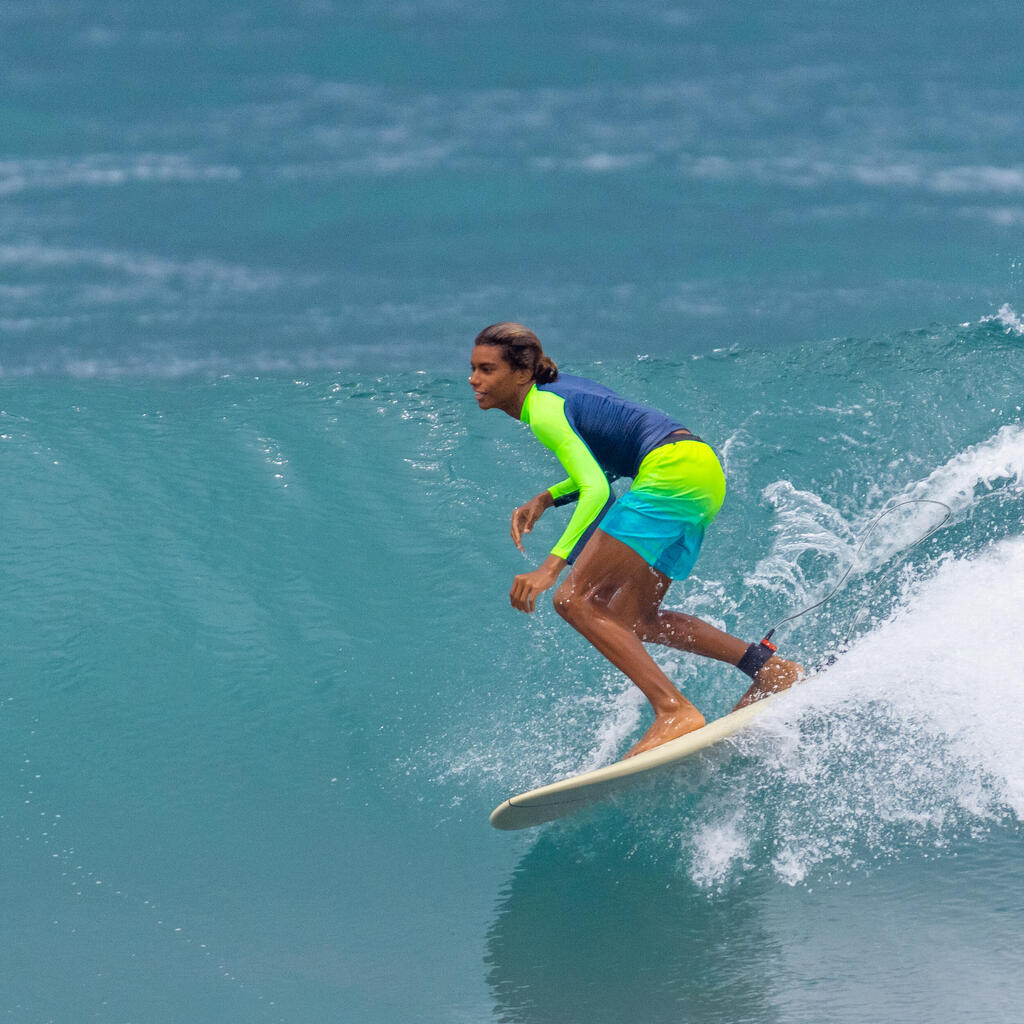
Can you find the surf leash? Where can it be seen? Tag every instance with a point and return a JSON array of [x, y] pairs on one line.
[[765, 649]]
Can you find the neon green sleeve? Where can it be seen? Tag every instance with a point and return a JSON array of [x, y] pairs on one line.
[[566, 489], [545, 413]]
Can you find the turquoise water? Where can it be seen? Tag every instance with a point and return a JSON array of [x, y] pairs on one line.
[[261, 685]]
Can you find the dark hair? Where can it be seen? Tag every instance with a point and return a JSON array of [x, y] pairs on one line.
[[520, 348]]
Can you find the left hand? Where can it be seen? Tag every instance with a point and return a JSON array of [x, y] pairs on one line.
[[528, 585], [525, 516]]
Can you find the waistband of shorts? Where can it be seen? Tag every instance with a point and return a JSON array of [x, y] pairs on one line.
[[682, 434]]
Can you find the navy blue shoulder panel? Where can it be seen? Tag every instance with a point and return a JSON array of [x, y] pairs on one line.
[[618, 432]]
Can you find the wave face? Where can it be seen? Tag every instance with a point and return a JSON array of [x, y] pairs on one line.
[[262, 686]]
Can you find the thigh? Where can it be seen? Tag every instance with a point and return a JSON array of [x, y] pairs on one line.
[[612, 574]]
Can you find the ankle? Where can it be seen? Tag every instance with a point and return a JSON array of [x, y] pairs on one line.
[[755, 658]]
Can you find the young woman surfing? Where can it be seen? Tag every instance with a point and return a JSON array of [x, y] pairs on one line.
[[622, 568]]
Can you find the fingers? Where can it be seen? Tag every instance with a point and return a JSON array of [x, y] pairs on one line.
[[523, 594], [518, 598], [517, 530], [522, 524]]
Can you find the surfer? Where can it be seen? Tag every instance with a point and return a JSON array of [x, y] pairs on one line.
[[624, 554]]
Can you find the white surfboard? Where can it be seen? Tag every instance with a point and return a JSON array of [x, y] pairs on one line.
[[560, 799]]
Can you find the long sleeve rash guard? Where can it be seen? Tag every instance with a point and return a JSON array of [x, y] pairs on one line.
[[597, 436]]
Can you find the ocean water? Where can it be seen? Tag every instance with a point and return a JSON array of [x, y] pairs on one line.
[[260, 684]]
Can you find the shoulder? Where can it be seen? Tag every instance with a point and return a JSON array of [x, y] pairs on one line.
[[567, 386], [547, 410], [552, 420]]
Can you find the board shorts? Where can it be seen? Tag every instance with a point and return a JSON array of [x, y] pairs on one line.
[[675, 496]]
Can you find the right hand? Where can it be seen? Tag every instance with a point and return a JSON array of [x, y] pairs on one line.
[[526, 515], [528, 585]]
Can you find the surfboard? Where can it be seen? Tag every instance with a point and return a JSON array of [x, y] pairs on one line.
[[560, 799]]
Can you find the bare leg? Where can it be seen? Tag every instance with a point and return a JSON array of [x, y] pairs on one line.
[[613, 597], [688, 633], [609, 591]]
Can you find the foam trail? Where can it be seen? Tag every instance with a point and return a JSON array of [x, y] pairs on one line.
[[914, 736]]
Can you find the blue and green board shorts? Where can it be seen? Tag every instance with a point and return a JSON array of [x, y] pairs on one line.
[[675, 496]]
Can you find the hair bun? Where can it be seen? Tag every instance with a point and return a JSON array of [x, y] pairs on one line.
[[546, 370]]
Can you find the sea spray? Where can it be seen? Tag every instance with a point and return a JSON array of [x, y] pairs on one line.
[[910, 741]]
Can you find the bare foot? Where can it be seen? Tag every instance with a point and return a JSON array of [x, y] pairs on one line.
[[668, 727], [776, 675]]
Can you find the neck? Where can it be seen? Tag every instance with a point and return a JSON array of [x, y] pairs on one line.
[[515, 408]]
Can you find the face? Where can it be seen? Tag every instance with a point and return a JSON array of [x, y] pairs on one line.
[[495, 384]]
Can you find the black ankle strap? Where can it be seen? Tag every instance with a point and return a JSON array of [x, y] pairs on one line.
[[756, 655]]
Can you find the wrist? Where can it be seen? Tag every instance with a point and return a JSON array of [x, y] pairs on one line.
[[553, 565]]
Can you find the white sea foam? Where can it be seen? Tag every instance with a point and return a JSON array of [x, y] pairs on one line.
[[804, 522], [999, 460], [809, 529], [813, 170], [978, 179], [1009, 319], [719, 848], [915, 736], [626, 711], [108, 170], [213, 275]]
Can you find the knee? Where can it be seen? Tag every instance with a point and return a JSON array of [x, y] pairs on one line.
[[586, 610], [570, 604]]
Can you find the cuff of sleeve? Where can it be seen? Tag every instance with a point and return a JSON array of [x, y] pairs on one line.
[[564, 493]]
